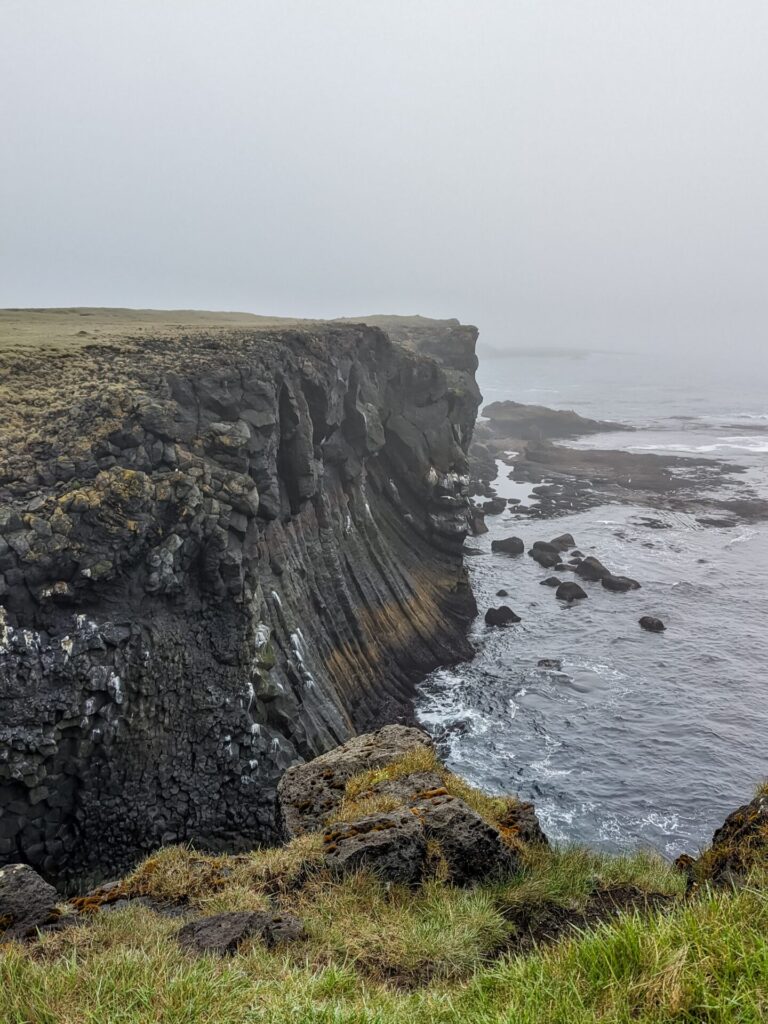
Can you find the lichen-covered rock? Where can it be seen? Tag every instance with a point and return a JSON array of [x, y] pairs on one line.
[[26, 901], [740, 843], [392, 845], [308, 794], [223, 933], [472, 849], [222, 551]]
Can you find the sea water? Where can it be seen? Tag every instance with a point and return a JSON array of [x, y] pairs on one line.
[[641, 740]]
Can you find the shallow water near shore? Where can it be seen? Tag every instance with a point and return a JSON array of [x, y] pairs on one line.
[[641, 739]]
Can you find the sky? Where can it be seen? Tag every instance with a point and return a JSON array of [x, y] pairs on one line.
[[586, 173]]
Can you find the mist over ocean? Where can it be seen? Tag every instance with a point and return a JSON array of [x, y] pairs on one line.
[[641, 740]]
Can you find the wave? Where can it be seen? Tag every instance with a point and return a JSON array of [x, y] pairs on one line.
[[753, 444]]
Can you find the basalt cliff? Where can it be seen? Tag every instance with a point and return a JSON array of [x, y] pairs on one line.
[[226, 546]]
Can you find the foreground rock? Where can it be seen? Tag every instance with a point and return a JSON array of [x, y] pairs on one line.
[[393, 845], [740, 843], [502, 616], [591, 569], [26, 901], [223, 933], [308, 794]]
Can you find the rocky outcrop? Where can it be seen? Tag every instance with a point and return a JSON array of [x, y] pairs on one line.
[[535, 422], [221, 552]]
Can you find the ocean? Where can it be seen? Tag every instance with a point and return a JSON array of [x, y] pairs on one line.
[[641, 740]]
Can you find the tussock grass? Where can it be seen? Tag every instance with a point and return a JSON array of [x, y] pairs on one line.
[[358, 800], [705, 961]]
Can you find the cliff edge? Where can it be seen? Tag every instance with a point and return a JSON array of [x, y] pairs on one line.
[[226, 545]]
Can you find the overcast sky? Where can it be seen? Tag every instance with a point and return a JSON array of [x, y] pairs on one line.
[[560, 172]]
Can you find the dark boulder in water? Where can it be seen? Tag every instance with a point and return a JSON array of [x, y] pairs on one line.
[[544, 545], [546, 559], [502, 616], [619, 584], [477, 522], [554, 663], [494, 506], [508, 545], [570, 592], [652, 625], [592, 569], [551, 581], [563, 567], [502, 593], [577, 554], [564, 542]]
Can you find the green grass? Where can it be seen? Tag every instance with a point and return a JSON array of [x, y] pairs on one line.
[[384, 954]]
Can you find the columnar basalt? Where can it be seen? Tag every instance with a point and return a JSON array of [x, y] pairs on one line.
[[221, 552]]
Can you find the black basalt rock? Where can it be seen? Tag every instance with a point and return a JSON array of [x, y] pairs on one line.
[[503, 616], [652, 624], [508, 545], [619, 584], [570, 592]]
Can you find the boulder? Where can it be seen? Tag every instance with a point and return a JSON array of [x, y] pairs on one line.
[[472, 848], [26, 901], [309, 793], [739, 843], [619, 584], [544, 545], [502, 616], [551, 581], [570, 592], [552, 663], [652, 625], [563, 567], [564, 542], [494, 507], [577, 554], [393, 845], [508, 545], [223, 933], [502, 593], [592, 569], [546, 559]]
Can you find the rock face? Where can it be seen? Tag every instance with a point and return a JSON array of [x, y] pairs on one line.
[[221, 552]]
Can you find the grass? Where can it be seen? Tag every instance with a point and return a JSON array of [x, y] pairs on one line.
[[378, 953]]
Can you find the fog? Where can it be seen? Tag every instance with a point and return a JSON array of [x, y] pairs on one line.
[[585, 173]]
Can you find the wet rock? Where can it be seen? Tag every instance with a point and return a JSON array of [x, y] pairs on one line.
[[223, 933], [619, 584], [502, 593], [592, 569], [502, 616], [309, 793], [551, 581], [563, 567], [564, 542], [509, 545], [473, 849], [27, 901], [577, 554], [392, 845], [494, 507], [570, 592], [652, 624], [551, 663], [546, 559]]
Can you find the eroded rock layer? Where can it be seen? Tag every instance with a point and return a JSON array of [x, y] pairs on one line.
[[220, 552]]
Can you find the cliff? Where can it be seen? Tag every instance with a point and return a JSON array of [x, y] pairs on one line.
[[226, 545]]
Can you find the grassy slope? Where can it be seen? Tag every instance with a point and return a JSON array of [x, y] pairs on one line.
[[379, 953]]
